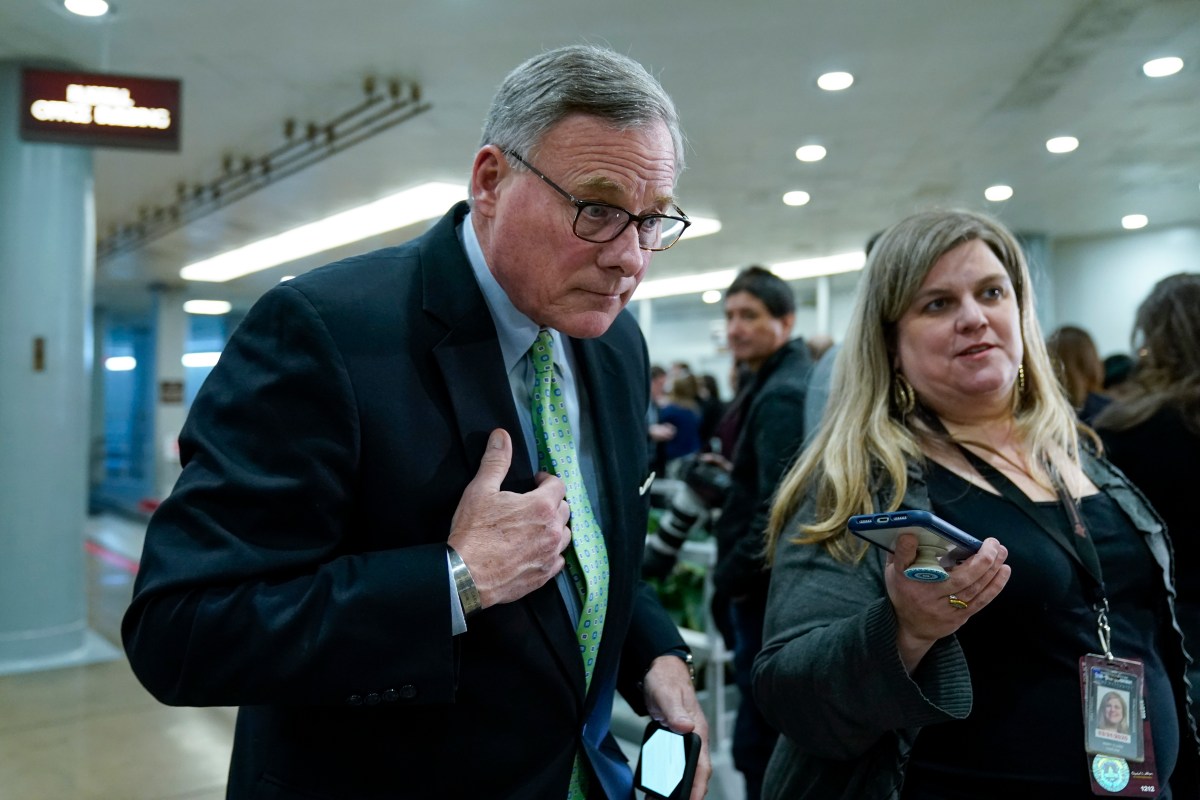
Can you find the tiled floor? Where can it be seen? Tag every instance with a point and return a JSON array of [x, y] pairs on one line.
[[92, 732]]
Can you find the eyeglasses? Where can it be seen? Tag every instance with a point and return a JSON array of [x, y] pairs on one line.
[[598, 222]]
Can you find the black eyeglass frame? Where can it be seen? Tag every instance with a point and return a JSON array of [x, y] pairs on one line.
[[631, 217]]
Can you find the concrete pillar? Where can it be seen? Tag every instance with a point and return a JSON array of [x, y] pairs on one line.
[[823, 303], [47, 258], [170, 341]]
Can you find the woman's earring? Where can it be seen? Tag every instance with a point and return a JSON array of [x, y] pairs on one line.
[[903, 395], [1021, 379]]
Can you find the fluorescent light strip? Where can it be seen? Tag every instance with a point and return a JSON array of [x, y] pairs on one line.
[[120, 363], [211, 307], [720, 279], [701, 226], [208, 359], [395, 211]]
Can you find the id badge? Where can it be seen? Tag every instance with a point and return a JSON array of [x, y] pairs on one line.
[[1116, 729]]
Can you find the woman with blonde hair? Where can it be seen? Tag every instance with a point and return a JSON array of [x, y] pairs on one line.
[[946, 401]]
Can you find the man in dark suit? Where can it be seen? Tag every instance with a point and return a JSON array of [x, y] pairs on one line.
[[362, 552]]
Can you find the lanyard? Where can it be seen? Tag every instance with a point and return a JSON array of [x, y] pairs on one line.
[[1080, 547]]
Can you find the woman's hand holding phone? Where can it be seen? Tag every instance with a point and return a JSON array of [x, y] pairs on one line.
[[926, 612]]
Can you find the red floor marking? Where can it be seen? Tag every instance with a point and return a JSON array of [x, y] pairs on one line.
[[109, 557]]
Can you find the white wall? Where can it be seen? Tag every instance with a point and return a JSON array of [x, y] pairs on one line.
[[1098, 283]]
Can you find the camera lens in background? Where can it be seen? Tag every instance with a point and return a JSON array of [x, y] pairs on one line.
[[662, 548]]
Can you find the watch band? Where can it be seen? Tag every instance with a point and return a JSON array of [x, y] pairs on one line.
[[686, 655], [464, 584]]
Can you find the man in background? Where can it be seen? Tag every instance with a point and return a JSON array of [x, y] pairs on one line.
[[768, 418]]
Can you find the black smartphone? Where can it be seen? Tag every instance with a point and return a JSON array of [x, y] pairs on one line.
[[940, 545], [667, 763]]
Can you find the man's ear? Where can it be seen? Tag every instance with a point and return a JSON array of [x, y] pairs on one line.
[[487, 173], [788, 321]]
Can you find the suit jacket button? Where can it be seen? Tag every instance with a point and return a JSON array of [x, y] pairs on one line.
[[408, 691], [391, 696], [354, 700], [373, 699]]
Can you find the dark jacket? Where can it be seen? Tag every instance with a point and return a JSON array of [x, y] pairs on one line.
[[830, 678], [769, 438], [298, 569]]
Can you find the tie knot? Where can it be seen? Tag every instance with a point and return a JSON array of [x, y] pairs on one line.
[[542, 353]]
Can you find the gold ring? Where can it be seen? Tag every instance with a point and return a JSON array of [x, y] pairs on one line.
[[959, 604]]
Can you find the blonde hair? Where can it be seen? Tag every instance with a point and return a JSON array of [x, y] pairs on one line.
[[865, 441]]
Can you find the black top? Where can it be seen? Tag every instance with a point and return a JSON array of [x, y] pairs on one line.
[[1024, 736], [1162, 458]]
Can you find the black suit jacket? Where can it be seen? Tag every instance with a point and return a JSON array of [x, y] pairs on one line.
[[298, 568]]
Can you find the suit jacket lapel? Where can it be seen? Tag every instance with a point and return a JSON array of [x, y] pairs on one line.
[[473, 368]]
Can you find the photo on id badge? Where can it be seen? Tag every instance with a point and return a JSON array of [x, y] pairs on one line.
[[1114, 715]]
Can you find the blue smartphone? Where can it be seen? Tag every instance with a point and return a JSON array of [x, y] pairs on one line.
[[940, 545]]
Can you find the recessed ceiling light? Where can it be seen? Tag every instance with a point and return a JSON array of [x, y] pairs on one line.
[[1131, 222], [835, 81], [213, 307], [1162, 67], [998, 193], [1062, 144], [711, 296], [796, 198], [810, 152], [87, 8], [120, 363]]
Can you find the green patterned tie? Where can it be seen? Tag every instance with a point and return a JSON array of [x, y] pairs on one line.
[[587, 557]]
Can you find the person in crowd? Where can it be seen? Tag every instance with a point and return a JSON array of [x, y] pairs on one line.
[[888, 687], [1153, 432], [681, 412], [821, 378], [816, 398], [760, 312], [818, 346], [407, 536], [712, 408], [1117, 369], [679, 369], [658, 432], [1079, 370], [1114, 714]]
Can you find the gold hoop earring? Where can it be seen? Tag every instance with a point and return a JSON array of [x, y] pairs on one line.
[[903, 395]]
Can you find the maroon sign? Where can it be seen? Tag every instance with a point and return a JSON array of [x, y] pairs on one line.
[[97, 110]]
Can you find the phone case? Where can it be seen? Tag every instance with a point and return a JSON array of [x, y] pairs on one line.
[[667, 765], [940, 545]]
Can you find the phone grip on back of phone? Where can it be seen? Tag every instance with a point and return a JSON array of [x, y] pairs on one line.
[[925, 567]]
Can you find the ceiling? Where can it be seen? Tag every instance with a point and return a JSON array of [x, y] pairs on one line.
[[950, 97]]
